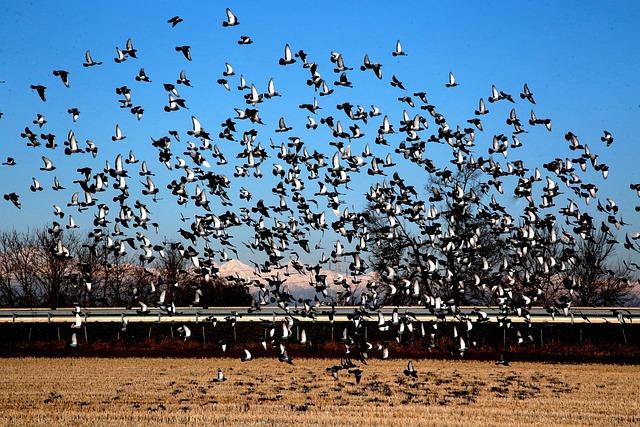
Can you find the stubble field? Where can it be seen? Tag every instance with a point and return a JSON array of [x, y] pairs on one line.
[[40, 391]]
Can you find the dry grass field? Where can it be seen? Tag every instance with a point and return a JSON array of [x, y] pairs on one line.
[[265, 392]]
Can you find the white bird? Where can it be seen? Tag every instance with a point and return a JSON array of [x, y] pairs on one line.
[[78, 322], [184, 331], [228, 70], [36, 185], [452, 81], [462, 347], [118, 136], [271, 90], [288, 57], [48, 165], [385, 353], [398, 51], [231, 19], [246, 356], [220, 378]]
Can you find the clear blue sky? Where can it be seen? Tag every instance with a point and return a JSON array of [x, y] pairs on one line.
[[579, 57]]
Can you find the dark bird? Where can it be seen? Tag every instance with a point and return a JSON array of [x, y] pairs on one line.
[[357, 373], [75, 113], [89, 62], [186, 51], [607, 138], [396, 83], [175, 21], [13, 198], [142, 76], [41, 91], [527, 94], [64, 76], [130, 50]]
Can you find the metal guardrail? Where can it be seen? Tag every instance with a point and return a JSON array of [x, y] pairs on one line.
[[322, 314]]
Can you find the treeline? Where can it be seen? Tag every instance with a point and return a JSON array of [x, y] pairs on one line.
[[33, 274], [476, 262]]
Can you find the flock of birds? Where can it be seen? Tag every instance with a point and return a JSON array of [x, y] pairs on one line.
[[312, 190]]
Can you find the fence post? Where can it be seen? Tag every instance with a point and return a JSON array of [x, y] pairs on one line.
[[504, 339]]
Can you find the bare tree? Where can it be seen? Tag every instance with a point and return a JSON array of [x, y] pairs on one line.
[[596, 280], [9, 290], [173, 276], [54, 272], [19, 255], [436, 252]]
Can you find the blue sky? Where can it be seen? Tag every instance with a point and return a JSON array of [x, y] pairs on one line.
[[580, 59]]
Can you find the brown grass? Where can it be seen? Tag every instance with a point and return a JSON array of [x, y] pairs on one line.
[[265, 392]]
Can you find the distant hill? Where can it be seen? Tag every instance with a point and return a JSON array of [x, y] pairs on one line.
[[297, 283]]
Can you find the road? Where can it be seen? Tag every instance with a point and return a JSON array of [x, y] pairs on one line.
[[322, 314]]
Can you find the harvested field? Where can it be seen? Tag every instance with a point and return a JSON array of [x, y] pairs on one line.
[[40, 391]]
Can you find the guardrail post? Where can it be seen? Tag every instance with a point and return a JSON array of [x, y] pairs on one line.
[[58, 328], [30, 327], [235, 337], [541, 337], [49, 317], [86, 335], [204, 338]]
